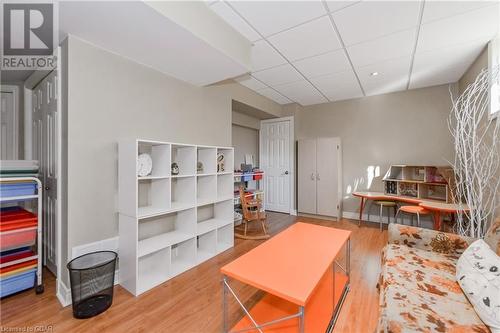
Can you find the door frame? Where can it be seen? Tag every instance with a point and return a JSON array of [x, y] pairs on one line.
[[29, 84], [292, 210], [8, 88]]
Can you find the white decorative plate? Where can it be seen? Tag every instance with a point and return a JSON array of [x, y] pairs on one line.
[[144, 165]]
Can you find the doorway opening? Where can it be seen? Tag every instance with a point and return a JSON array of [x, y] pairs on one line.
[[264, 142], [31, 130]]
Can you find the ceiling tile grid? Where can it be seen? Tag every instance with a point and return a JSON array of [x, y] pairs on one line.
[[312, 52], [339, 86], [274, 95], [307, 40], [278, 75], [327, 63]]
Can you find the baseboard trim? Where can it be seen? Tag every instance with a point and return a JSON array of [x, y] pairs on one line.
[[63, 293], [323, 217]]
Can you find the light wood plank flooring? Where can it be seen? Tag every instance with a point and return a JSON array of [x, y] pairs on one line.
[[191, 302]]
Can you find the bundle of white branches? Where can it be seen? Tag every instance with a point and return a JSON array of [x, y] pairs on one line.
[[477, 155]]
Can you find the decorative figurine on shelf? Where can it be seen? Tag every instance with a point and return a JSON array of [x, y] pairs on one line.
[[220, 162], [199, 167], [175, 169], [144, 165]]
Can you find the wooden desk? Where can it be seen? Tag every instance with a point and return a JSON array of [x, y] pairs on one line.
[[437, 207], [297, 270]]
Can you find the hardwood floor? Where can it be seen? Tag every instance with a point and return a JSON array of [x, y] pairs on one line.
[[191, 302]]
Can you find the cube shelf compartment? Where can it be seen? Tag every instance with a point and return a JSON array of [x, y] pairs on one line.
[[185, 157], [153, 197], [225, 186], [183, 256], [160, 154], [214, 216], [207, 156], [163, 231], [225, 238], [206, 246], [206, 191], [183, 192], [228, 154], [175, 221], [153, 269]]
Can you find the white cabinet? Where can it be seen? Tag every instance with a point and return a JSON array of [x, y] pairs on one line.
[[319, 180]]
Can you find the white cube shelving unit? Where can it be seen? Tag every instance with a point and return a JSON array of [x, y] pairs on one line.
[[171, 223]]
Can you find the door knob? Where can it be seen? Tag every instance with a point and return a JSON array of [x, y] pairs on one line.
[[312, 176], [317, 176], [286, 172]]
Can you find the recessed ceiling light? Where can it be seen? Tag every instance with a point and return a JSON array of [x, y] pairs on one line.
[[374, 74]]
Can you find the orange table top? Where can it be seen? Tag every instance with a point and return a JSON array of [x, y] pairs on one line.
[[291, 264], [426, 203]]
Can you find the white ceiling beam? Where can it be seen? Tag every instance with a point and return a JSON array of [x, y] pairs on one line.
[[201, 21]]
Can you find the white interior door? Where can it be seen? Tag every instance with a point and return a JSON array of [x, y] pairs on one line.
[[8, 123], [327, 175], [276, 159], [45, 147], [306, 170]]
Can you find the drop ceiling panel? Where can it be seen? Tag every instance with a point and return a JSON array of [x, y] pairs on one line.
[[435, 10], [371, 19], [334, 6], [274, 95], [392, 76], [301, 92], [331, 62], [338, 86], [264, 56], [278, 75], [234, 20], [249, 82], [388, 47], [270, 17], [307, 40], [379, 36], [445, 65], [481, 24]]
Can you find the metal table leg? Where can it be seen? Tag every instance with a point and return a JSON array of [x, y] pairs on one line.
[[224, 306], [347, 271], [302, 320]]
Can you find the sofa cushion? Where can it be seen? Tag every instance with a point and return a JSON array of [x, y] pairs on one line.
[[415, 311], [430, 240], [478, 273], [421, 270]]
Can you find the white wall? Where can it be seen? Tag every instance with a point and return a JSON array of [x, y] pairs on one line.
[[397, 128], [245, 141], [244, 120]]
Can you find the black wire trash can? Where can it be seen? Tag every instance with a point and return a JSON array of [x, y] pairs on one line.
[[92, 277]]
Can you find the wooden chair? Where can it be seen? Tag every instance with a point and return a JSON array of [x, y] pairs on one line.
[[252, 211]]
